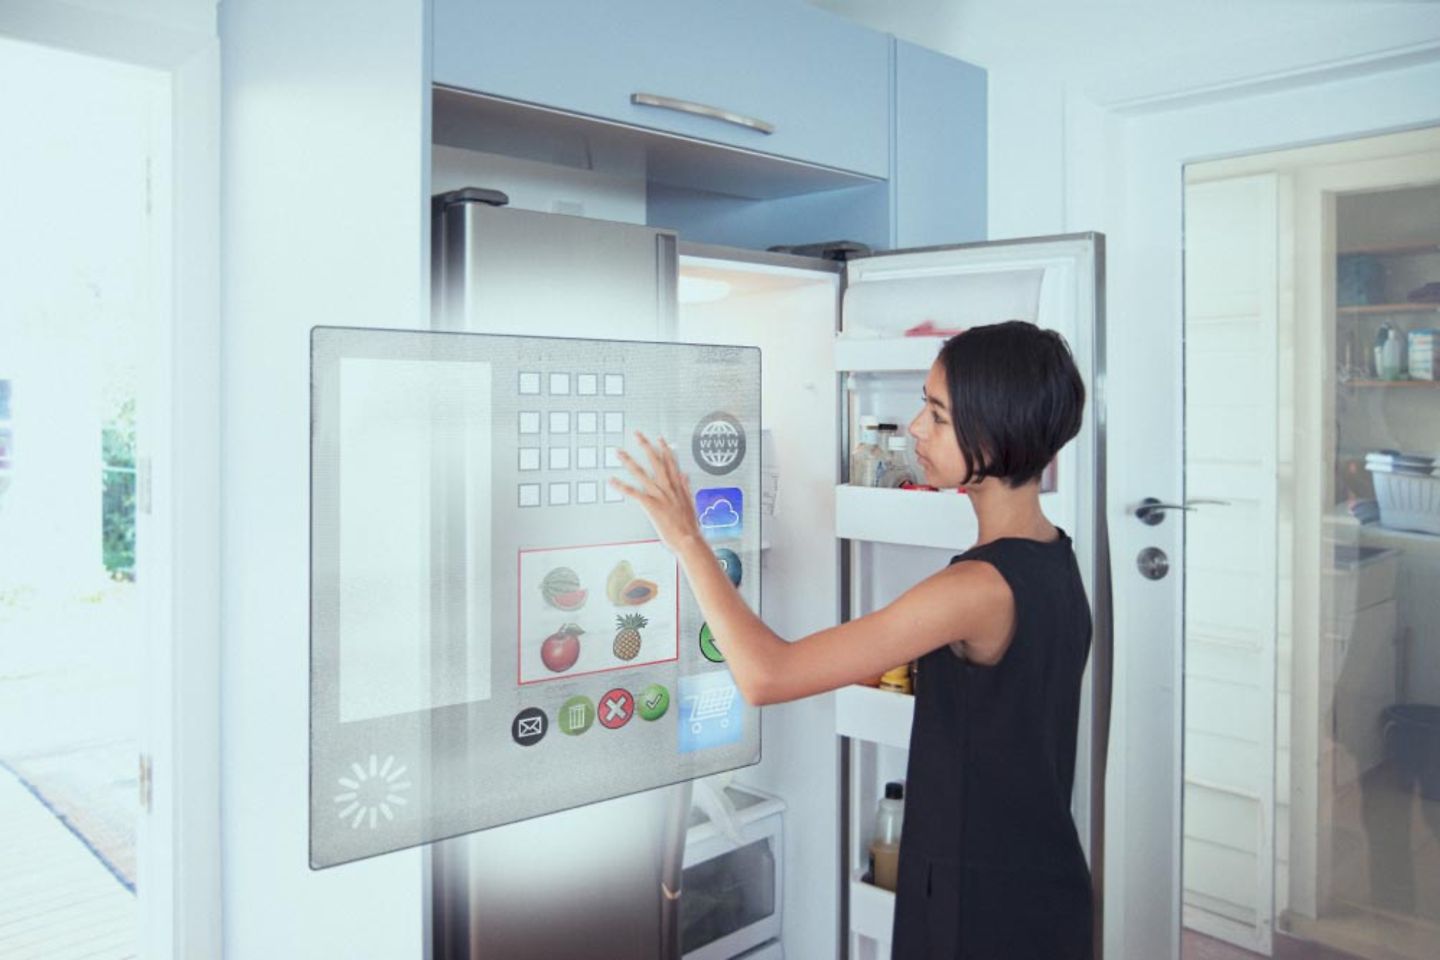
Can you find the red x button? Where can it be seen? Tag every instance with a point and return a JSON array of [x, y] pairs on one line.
[[616, 709]]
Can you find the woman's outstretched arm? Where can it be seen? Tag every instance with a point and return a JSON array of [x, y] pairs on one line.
[[967, 602]]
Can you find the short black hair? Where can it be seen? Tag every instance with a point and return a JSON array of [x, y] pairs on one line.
[[1016, 398]]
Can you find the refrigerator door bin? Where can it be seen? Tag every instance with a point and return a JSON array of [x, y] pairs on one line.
[[732, 894]]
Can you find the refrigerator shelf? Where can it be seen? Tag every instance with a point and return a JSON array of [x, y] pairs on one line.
[[874, 715], [920, 518], [878, 354], [872, 910]]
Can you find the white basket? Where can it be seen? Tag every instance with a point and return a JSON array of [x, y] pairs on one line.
[[1408, 501]]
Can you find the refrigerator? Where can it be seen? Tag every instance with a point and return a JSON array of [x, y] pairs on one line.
[[837, 340]]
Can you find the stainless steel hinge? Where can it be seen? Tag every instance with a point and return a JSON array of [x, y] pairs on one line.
[[147, 782]]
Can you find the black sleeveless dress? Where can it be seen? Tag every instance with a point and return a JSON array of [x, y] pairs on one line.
[[991, 866]]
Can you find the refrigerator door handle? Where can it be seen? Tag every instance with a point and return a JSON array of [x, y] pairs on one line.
[[702, 110]]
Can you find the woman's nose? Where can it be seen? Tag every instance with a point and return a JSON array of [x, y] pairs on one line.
[[914, 428]]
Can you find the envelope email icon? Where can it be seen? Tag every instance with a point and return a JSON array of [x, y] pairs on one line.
[[530, 727]]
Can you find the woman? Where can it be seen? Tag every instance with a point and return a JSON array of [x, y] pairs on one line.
[[991, 866]]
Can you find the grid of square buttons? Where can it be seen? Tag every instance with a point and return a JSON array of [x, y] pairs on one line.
[[559, 425]]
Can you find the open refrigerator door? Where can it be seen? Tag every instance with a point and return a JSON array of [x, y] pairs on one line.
[[898, 309]]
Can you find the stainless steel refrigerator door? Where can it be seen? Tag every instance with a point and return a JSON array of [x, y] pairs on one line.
[[506, 270]]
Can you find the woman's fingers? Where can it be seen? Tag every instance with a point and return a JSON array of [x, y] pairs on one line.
[[657, 464], [673, 474], [626, 489], [664, 477], [647, 482]]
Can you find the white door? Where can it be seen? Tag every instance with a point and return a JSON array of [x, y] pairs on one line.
[[1230, 574], [111, 350]]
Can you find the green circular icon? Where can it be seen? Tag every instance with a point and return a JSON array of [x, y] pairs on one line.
[[653, 701], [707, 645], [576, 715]]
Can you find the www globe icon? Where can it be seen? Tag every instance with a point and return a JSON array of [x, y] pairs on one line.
[[719, 443]]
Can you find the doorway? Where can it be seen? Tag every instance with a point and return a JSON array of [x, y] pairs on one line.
[[83, 263], [1311, 817]]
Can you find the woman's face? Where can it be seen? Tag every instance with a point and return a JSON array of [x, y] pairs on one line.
[[936, 448]]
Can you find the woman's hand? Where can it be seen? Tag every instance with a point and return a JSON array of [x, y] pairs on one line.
[[663, 491]]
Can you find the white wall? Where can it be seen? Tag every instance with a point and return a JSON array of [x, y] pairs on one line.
[[325, 113], [157, 33]]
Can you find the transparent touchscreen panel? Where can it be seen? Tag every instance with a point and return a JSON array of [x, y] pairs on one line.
[[495, 633]]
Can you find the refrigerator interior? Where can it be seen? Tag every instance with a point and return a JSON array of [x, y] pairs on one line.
[[790, 313], [899, 537]]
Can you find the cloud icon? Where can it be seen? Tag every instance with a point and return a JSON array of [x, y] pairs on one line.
[[719, 514]]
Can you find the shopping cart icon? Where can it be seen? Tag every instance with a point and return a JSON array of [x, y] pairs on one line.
[[709, 705], [710, 714]]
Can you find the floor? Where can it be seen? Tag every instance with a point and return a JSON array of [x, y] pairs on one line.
[[69, 709], [1197, 946], [65, 904]]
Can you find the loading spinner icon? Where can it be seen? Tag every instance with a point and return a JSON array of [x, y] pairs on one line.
[[372, 790]]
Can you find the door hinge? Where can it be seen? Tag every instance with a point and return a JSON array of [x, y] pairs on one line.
[[143, 474], [147, 782]]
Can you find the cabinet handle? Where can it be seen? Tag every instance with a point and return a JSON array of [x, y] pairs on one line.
[[701, 110]]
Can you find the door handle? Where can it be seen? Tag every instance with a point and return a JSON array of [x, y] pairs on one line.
[[1151, 510]]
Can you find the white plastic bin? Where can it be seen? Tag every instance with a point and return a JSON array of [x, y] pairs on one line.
[[1408, 501]]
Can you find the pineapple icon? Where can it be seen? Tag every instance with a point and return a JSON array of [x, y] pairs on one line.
[[627, 640]]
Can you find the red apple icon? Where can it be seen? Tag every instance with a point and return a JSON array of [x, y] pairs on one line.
[[562, 648]]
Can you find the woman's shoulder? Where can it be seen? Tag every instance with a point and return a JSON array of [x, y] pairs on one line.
[[966, 587]]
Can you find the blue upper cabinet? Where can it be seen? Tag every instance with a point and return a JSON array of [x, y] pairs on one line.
[[940, 181], [822, 83]]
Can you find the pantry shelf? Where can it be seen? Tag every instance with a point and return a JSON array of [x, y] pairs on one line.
[[1378, 308], [1389, 384], [920, 518], [874, 715], [1391, 249], [880, 354]]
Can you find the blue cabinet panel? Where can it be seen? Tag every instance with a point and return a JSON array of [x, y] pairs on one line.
[[939, 185], [823, 82]]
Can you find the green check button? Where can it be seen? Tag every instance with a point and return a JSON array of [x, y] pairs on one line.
[[653, 701]]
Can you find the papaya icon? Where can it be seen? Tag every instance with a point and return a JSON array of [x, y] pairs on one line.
[[637, 592], [618, 580]]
